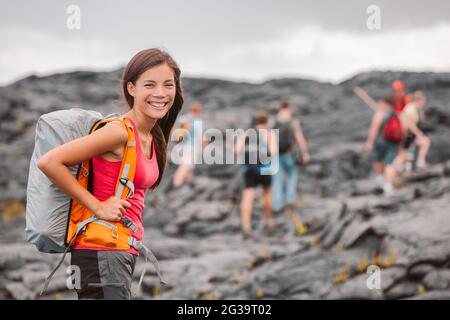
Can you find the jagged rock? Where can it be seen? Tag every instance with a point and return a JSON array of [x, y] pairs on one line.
[[211, 211], [402, 290], [431, 173], [59, 295], [363, 204], [391, 276], [157, 217], [334, 220], [19, 292], [14, 275], [203, 183], [315, 169], [420, 270], [57, 285], [196, 217], [433, 295], [11, 260], [436, 255], [34, 279], [437, 280], [194, 275], [355, 231], [365, 187], [446, 167], [20, 253], [172, 230], [18, 275], [336, 230], [173, 248], [180, 197]]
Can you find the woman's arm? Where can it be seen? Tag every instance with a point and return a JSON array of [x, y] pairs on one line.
[[54, 164]]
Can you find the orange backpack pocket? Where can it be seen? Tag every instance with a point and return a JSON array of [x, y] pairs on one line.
[[105, 234]]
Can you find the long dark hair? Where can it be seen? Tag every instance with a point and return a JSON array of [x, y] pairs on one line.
[[140, 63]]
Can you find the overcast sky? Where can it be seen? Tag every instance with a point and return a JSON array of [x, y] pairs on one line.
[[250, 40]]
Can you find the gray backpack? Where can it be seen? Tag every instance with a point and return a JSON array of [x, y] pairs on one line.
[[47, 209]]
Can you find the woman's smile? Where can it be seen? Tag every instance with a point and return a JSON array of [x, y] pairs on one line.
[[158, 105]]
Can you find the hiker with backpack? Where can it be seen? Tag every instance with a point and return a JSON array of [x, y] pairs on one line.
[[411, 117], [257, 149], [384, 138], [120, 161], [191, 145], [284, 181]]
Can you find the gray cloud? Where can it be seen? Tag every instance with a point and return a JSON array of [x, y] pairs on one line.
[[229, 18]]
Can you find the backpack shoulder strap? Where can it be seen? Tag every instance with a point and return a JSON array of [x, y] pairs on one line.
[[124, 185]]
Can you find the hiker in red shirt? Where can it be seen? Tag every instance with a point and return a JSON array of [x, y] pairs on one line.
[[399, 98]]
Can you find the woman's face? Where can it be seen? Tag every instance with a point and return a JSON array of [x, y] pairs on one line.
[[154, 91]]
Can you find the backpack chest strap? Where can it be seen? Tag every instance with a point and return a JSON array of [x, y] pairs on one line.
[[129, 224]]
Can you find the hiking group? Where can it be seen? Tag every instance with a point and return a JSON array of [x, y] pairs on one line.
[[395, 138], [279, 187]]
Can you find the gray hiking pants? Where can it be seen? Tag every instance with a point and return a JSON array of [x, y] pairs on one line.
[[105, 274]]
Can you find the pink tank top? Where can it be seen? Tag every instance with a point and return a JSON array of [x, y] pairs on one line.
[[106, 174]]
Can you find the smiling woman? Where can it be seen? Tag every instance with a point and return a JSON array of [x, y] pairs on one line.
[[151, 86], [152, 89]]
